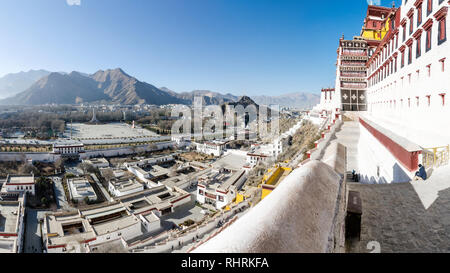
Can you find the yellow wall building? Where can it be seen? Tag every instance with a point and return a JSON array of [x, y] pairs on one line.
[[272, 179]]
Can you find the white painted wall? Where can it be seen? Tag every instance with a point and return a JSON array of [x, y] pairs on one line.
[[373, 155]]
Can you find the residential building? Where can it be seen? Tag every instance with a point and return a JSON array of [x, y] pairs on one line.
[[19, 183], [12, 212], [80, 189]]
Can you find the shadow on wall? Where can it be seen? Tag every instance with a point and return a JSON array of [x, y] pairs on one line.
[[364, 179], [398, 174]]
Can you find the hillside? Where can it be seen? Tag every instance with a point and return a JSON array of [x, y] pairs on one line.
[[294, 100], [14, 83], [113, 86]]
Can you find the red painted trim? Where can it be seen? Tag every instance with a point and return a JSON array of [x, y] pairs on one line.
[[172, 202], [56, 246], [265, 187], [409, 160], [90, 240], [147, 211], [8, 234]]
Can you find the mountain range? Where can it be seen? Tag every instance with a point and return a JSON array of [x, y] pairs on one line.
[[14, 83], [38, 87]]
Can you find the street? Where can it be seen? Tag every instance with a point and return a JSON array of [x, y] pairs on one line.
[[32, 239]]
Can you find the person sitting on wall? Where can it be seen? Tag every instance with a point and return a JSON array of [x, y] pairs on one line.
[[421, 174]]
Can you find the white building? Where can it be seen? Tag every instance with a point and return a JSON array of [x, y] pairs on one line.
[[12, 211], [258, 156], [127, 218], [68, 149], [97, 162], [408, 74], [215, 148], [151, 161], [220, 187], [181, 141], [119, 187], [19, 183], [80, 189]]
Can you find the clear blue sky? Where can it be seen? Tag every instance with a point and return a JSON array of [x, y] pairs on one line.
[[241, 47]]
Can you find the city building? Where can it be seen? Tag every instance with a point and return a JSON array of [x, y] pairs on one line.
[[214, 148], [273, 178], [97, 162], [219, 187], [127, 218], [19, 183], [68, 150], [80, 189], [12, 212], [121, 187], [395, 74]]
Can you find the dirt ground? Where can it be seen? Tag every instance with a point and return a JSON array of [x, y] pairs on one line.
[[194, 156]]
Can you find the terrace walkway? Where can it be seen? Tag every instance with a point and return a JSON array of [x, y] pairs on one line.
[[405, 217]]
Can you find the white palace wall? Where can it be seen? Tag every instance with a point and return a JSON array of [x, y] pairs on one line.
[[388, 99]]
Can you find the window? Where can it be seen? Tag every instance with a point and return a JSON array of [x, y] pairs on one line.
[[409, 54], [429, 100], [443, 64], [411, 24], [442, 36], [418, 47], [404, 32], [429, 7], [419, 15], [428, 41], [395, 65], [403, 58], [443, 99], [429, 70]]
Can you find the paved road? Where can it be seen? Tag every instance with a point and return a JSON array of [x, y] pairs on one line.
[[60, 195], [32, 240], [104, 191], [396, 218]]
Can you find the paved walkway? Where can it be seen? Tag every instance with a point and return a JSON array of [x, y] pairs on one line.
[[60, 195], [347, 135], [33, 240], [104, 191], [404, 217], [394, 215]]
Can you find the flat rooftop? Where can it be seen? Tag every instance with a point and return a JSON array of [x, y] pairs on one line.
[[231, 161], [126, 185], [8, 245], [106, 131], [9, 215], [97, 161], [81, 188], [20, 179]]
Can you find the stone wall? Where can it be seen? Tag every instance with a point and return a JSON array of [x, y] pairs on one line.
[[303, 215]]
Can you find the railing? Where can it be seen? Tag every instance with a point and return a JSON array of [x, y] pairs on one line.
[[360, 75], [353, 63], [354, 85], [436, 157]]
